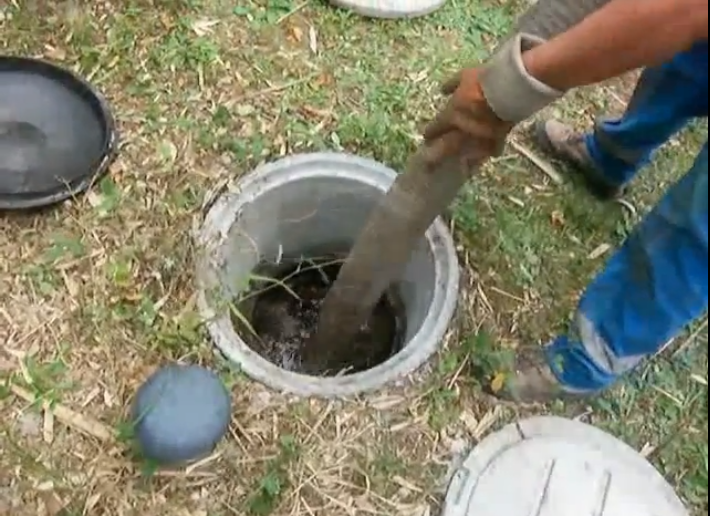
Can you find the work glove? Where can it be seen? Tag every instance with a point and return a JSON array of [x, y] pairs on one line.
[[485, 103]]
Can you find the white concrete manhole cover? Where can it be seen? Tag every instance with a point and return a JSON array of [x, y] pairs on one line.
[[550, 466], [390, 8]]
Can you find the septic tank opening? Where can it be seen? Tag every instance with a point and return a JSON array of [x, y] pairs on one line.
[[279, 313], [314, 205]]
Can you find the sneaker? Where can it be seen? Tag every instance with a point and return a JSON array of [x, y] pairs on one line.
[[564, 143]]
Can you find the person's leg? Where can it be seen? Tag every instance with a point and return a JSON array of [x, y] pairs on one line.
[[653, 286], [665, 98]]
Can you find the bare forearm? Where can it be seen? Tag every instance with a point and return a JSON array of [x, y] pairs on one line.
[[621, 36]]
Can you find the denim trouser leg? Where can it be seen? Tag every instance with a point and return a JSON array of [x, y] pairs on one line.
[[665, 99], [657, 282], [650, 289]]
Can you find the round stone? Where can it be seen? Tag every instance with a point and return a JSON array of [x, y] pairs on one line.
[[180, 413], [550, 466]]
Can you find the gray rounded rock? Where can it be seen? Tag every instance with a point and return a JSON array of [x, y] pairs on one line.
[[390, 8], [180, 413]]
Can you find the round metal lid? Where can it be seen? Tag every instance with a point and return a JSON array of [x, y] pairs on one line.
[[56, 133], [390, 8], [549, 466]]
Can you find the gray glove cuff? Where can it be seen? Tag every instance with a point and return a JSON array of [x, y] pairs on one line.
[[512, 93]]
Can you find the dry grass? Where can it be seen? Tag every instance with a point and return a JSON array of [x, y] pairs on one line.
[[98, 293]]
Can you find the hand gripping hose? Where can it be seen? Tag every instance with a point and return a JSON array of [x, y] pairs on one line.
[[415, 199]]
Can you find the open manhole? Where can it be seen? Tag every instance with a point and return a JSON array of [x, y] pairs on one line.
[[270, 247], [550, 466]]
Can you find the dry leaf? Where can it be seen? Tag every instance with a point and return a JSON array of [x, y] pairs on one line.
[[699, 379], [54, 506], [312, 39], [92, 502], [600, 250], [498, 382], [486, 423], [203, 27], [295, 34], [516, 201], [469, 421], [168, 151], [628, 206], [54, 53], [6, 365], [386, 402], [557, 218], [166, 21], [406, 484], [84, 424], [325, 79], [48, 423], [647, 450]]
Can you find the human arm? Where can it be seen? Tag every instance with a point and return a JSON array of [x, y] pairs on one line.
[[620, 37], [528, 73]]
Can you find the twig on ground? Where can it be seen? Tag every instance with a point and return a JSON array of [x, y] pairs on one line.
[[629, 207], [291, 12], [275, 89], [84, 424], [540, 163], [691, 338]]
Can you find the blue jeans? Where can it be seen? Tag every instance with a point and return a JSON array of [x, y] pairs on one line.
[[657, 282]]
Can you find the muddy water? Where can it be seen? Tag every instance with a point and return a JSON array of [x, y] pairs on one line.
[[283, 312]]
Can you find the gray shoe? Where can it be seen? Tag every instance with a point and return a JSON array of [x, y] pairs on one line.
[[530, 380], [564, 143]]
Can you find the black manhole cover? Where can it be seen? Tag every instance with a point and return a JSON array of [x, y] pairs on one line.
[[57, 133]]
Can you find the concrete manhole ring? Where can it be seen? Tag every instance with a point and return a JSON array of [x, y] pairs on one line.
[[390, 8], [309, 204], [550, 466]]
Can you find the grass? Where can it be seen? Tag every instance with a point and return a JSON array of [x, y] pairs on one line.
[[98, 293]]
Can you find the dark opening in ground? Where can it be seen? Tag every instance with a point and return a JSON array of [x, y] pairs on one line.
[[282, 308]]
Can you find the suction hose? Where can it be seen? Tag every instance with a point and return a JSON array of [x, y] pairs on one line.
[[394, 227]]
